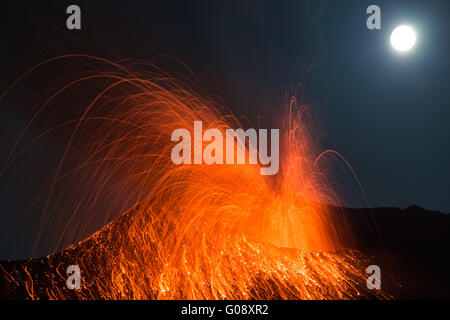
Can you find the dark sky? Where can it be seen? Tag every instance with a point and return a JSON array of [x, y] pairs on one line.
[[387, 113]]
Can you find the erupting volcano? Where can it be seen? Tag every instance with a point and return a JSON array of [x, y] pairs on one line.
[[191, 231]]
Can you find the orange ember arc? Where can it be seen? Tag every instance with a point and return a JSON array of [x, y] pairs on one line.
[[197, 231]]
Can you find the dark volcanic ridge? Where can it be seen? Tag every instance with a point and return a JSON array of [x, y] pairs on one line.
[[412, 255]]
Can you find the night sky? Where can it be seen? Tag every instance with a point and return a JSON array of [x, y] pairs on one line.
[[387, 113]]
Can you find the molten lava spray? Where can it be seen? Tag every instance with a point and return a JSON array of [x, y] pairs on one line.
[[197, 231]]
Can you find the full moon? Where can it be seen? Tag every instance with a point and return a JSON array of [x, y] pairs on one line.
[[403, 38]]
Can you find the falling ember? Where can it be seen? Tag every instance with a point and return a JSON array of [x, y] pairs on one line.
[[196, 231]]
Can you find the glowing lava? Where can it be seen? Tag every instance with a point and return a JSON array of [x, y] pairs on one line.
[[199, 231]]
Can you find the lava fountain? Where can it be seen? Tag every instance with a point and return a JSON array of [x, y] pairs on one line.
[[196, 231]]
